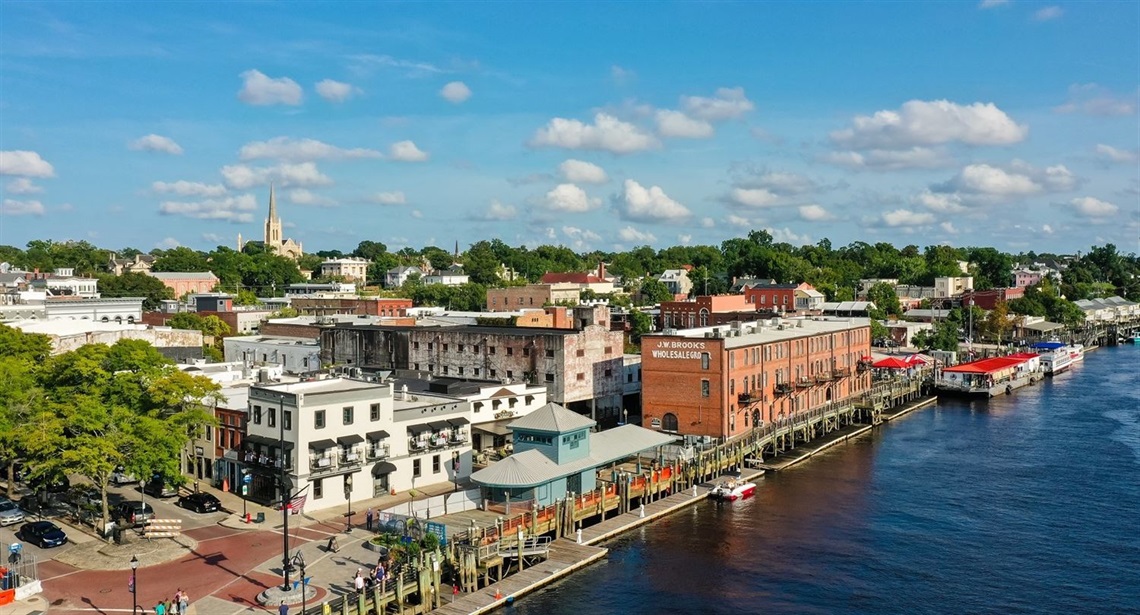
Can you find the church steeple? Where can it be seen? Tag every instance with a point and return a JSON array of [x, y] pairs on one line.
[[272, 204], [272, 225]]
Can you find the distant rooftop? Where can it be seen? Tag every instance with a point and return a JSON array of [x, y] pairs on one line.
[[764, 331]]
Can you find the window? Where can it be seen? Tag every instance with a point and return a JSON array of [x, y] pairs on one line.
[[318, 489], [580, 353], [430, 345], [731, 387], [704, 388], [493, 374], [510, 374], [609, 373], [435, 464], [257, 415], [549, 377], [415, 345], [461, 348], [319, 419], [704, 360], [210, 432], [431, 367], [629, 377], [669, 422], [476, 372], [526, 352], [347, 415], [731, 360], [510, 351], [416, 366], [288, 418], [491, 350], [460, 370], [416, 468], [609, 349], [445, 347], [374, 412], [581, 376], [550, 353], [445, 370], [272, 417]]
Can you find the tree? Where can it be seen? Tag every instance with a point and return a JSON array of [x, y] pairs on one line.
[[640, 323], [151, 289], [482, 265], [998, 321], [653, 291], [878, 330], [944, 336], [181, 259], [246, 297], [885, 298], [370, 250]]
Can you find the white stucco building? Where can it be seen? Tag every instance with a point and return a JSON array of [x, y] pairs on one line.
[[295, 355]]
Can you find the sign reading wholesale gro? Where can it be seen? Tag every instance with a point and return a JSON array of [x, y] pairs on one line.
[[678, 349]]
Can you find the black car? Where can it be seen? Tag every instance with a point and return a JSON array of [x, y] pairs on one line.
[[134, 513], [43, 534], [159, 489], [200, 502]]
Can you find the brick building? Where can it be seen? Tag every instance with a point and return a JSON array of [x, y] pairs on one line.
[[371, 306], [704, 311], [770, 295], [186, 282], [722, 381], [987, 299], [531, 296]]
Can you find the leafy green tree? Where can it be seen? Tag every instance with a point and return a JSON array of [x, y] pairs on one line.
[[151, 289], [481, 263], [640, 323], [878, 330], [371, 250], [246, 297], [885, 298], [944, 336], [181, 259], [652, 291], [990, 268]]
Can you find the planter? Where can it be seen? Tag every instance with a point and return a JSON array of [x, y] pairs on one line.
[[378, 548]]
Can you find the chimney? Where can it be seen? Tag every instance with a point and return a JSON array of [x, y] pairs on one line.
[[602, 270]]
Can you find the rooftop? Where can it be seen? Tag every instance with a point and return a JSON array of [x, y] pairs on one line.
[[183, 275], [988, 366], [275, 341], [760, 332], [553, 418], [331, 385], [64, 327]]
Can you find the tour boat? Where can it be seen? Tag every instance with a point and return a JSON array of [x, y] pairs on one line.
[[1077, 352], [1056, 356], [733, 489]]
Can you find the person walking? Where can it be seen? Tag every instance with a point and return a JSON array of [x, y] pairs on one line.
[[160, 608], [176, 604], [183, 603], [368, 518], [358, 582], [283, 609]]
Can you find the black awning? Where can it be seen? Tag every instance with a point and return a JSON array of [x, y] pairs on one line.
[[264, 441], [377, 435], [383, 468], [422, 427], [438, 425], [320, 445], [458, 421], [350, 439]]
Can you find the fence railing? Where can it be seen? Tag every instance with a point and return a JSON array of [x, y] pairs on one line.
[[19, 567]]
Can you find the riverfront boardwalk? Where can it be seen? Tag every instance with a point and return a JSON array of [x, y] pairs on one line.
[[565, 557]]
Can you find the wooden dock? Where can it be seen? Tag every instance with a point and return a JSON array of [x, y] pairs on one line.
[[565, 556]]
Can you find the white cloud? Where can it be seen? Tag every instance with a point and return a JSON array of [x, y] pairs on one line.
[[13, 207], [633, 235], [156, 143], [678, 125], [984, 183], [621, 76], [389, 198], [455, 92], [303, 196], [582, 172], [735, 220], [406, 151], [415, 213], [989, 4], [1093, 207], [243, 177], [570, 199], [787, 183], [1048, 13], [989, 180], [753, 197], [607, 133], [641, 204], [366, 62], [727, 104], [185, 188], [581, 237], [22, 185], [707, 222], [684, 239], [1092, 99], [1111, 154], [233, 208], [890, 160], [814, 213], [1057, 178], [260, 89], [942, 202], [301, 150], [920, 122], [167, 244], [335, 91], [787, 235], [948, 227], [1045, 228], [497, 211], [212, 238], [904, 217], [25, 163]]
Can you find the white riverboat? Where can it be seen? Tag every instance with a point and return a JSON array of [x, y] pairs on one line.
[[1056, 357]]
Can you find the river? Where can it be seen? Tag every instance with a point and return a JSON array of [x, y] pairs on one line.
[[1022, 504]]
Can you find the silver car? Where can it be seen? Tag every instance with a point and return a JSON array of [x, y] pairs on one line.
[[10, 514]]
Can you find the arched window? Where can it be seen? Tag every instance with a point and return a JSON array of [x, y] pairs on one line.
[[755, 418], [704, 317], [669, 422]]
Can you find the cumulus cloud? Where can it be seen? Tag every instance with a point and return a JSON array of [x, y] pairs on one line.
[[570, 199], [301, 150], [455, 92], [185, 188], [632, 235], [259, 89], [986, 184], [25, 164], [389, 198], [740, 221], [156, 143], [607, 133], [243, 177], [22, 185], [814, 213], [936, 122], [989, 4], [948, 227], [753, 197], [640, 204], [1111, 154], [1092, 99], [942, 202], [335, 91], [14, 207], [906, 218], [1048, 13], [580, 238], [303, 196], [1093, 208], [890, 160], [986, 179], [684, 239], [497, 212], [678, 125], [237, 209], [727, 104], [582, 172], [621, 76], [167, 244], [406, 151], [787, 235]]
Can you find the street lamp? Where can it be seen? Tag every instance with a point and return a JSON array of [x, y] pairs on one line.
[[299, 562], [455, 467], [285, 499], [134, 585], [348, 496]]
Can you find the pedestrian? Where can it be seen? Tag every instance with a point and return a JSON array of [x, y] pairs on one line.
[[160, 609], [283, 609], [358, 581], [184, 603], [176, 604], [333, 546], [368, 518]]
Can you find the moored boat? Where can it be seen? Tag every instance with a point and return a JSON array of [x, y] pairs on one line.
[[1056, 357], [1077, 352], [733, 489]]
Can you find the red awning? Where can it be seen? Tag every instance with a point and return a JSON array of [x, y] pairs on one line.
[[891, 363], [915, 359]]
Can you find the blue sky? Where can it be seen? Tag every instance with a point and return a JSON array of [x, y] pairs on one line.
[[605, 125]]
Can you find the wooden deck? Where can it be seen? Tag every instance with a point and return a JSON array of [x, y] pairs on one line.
[[622, 523], [565, 557]]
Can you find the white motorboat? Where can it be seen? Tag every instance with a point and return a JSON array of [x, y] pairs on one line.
[[733, 489]]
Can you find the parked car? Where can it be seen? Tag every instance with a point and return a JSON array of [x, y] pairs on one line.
[[134, 513], [85, 496], [10, 514], [200, 502], [121, 477], [159, 489], [43, 534]]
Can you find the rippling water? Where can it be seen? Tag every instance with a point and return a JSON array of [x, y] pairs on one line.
[[1022, 504]]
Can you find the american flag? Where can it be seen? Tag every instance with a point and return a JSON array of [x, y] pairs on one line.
[[297, 504]]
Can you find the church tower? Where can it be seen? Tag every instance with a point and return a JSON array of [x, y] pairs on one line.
[[272, 223]]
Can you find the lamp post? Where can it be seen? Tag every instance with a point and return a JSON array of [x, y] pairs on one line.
[[299, 562], [455, 467], [285, 500], [348, 496], [134, 585]]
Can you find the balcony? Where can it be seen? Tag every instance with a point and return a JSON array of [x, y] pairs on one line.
[[803, 382], [377, 451], [840, 372], [322, 463], [417, 444], [350, 458], [437, 440], [751, 397], [822, 377], [783, 388], [265, 461], [458, 436]]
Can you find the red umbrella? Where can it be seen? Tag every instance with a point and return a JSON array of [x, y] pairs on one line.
[[916, 360], [891, 363]]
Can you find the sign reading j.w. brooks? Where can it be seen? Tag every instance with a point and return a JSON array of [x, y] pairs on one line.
[[678, 349]]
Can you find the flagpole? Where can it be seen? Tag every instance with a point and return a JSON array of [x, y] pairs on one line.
[[286, 500]]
